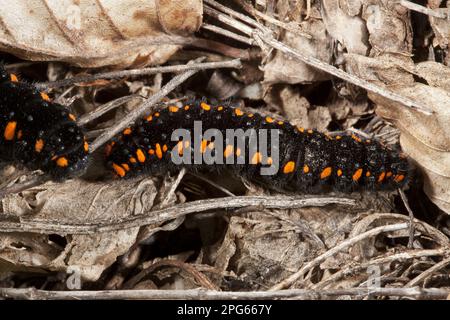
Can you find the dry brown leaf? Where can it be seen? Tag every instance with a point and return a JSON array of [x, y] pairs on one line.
[[92, 33], [436, 74], [389, 27], [426, 139], [280, 69], [73, 202], [350, 31]]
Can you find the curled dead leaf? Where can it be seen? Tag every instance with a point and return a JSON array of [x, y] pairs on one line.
[[95, 33], [76, 202]]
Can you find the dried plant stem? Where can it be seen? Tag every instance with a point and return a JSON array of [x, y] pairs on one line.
[[402, 256], [421, 277], [145, 107], [228, 33], [263, 35], [187, 267], [201, 294], [159, 216], [343, 245], [98, 112], [236, 63], [418, 8], [33, 181], [314, 62], [411, 218]]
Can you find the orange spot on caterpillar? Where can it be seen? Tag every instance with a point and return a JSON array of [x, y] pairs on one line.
[[301, 129], [158, 151], [269, 161], [62, 162], [127, 131], [149, 118], [356, 138], [13, 78], [238, 112], [228, 151], [280, 123], [156, 114], [338, 137], [326, 173], [368, 174], [399, 178], [173, 109], [126, 166], [119, 170], [164, 148], [238, 152], [269, 120], [19, 134], [133, 160], [205, 106], [357, 175], [151, 151], [389, 174], [220, 108], [180, 147], [339, 172], [10, 130], [305, 168], [381, 176], [86, 146], [257, 157], [140, 155], [203, 146], [45, 96], [310, 131], [39, 145], [250, 115], [72, 117], [289, 167], [187, 108]]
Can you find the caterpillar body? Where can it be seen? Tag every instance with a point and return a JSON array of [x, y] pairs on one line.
[[308, 161], [38, 133]]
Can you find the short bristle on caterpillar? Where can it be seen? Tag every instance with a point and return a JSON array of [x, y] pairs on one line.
[[308, 161], [38, 133]]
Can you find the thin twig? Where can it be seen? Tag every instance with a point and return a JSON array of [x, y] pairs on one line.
[[343, 245], [402, 256], [418, 8], [263, 35], [314, 62], [189, 268], [236, 15], [228, 33], [32, 182], [101, 110], [236, 63], [215, 185], [138, 112], [428, 272], [162, 215], [411, 218], [201, 294]]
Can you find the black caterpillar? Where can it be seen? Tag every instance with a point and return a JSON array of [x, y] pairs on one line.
[[38, 133], [309, 161]]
